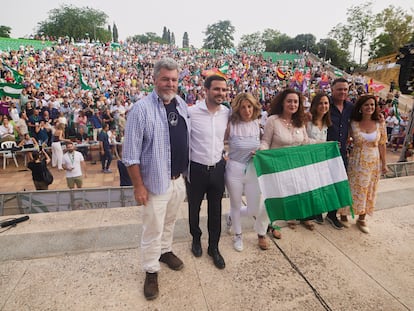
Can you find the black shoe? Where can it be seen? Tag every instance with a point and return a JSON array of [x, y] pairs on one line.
[[217, 258], [172, 261], [319, 219], [196, 248], [151, 286], [335, 223]]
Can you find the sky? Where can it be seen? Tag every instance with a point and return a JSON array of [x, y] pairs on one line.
[[179, 16]]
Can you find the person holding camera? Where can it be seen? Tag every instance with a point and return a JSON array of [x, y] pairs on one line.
[[39, 163]]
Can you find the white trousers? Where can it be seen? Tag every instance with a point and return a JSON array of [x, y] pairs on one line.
[[239, 179], [95, 133], [158, 221], [57, 155]]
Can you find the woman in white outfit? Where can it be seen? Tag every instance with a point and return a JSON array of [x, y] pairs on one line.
[[317, 127], [243, 134], [57, 152]]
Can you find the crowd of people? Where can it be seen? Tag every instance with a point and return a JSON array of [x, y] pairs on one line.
[[174, 120]]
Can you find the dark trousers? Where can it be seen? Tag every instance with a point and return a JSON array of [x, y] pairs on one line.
[[106, 159], [206, 181]]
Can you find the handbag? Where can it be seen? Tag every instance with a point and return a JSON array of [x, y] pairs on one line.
[[47, 175]]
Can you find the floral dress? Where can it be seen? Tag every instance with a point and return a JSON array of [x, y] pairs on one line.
[[364, 168]]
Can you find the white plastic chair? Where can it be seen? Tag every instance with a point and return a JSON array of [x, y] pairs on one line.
[[8, 154]]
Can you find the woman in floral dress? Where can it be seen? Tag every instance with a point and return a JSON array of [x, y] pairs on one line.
[[366, 160]]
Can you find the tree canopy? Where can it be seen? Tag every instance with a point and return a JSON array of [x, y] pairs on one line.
[[219, 35], [77, 23], [5, 31]]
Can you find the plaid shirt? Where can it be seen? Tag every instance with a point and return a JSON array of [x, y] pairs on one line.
[[147, 141]]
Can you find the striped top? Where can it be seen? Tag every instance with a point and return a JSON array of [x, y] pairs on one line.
[[244, 138]]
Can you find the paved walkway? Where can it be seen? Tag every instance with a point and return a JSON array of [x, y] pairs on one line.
[[89, 260]]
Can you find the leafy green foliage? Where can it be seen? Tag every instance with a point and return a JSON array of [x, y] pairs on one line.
[[77, 23], [219, 35], [5, 31]]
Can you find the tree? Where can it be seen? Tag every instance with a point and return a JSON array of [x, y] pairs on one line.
[[381, 46], [165, 34], [77, 23], [252, 43], [219, 35], [186, 40], [397, 26], [146, 38], [329, 49], [361, 25], [5, 31], [115, 33], [342, 34]]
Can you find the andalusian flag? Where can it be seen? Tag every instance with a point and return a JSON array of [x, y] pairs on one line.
[[224, 68], [84, 85], [11, 90], [17, 75], [302, 181]]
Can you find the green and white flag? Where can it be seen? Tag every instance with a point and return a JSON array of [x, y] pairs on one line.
[[338, 73], [224, 68], [84, 85], [302, 181], [11, 90], [17, 76]]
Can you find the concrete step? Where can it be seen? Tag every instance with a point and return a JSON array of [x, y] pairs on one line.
[[53, 234]]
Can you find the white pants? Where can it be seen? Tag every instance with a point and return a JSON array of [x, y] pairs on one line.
[[158, 221], [95, 133], [57, 155], [240, 178]]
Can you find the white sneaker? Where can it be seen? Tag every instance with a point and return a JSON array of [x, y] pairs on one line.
[[238, 242], [228, 224]]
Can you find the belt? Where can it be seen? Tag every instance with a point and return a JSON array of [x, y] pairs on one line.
[[175, 177], [207, 167]]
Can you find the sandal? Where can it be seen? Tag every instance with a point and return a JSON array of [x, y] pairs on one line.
[[275, 230], [292, 224], [362, 225], [308, 224]]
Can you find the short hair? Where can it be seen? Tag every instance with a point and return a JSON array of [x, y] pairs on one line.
[[68, 143], [339, 80], [210, 79], [276, 106], [326, 119], [236, 105], [165, 63], [357, 113]]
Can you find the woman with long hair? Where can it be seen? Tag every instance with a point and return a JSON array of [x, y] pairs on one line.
[[243, 135], [285, 127], [367, 159], [317, 127]]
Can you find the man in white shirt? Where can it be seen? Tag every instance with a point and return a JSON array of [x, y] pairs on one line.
[[73, 163], [206, 177]]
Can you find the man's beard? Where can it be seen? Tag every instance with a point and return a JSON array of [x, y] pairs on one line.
[[167, 97]]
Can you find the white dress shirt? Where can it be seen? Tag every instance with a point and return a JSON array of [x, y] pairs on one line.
[[207, 133]]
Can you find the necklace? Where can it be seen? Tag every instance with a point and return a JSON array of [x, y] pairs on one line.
[[286, 123]]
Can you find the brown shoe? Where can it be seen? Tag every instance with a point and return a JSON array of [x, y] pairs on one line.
[[263, 243], [172, 261], [308, 224], [151, 286], [275, 232]]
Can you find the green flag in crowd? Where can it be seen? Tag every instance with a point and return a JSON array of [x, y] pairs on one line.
[[84, 85], [11, 89]]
